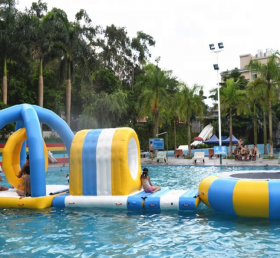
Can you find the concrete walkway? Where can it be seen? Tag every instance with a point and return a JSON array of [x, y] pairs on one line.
[[172, 161], [260, 162]]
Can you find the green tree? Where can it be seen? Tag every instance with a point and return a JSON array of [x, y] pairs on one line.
[[189, 103], [72, 41], [154, 99], [33, 31], [232, 98], [256, 96], [236, 75], [269, 73], [8, 16], [103, 106], [40, 44]]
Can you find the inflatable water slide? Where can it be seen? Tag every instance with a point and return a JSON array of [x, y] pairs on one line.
[[104, 167], [206, 133]]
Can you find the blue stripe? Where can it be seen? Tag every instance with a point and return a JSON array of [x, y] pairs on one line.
[[59, 201], [135, 201], [89, 162], [220, 195], [274, 194], [153, 200]]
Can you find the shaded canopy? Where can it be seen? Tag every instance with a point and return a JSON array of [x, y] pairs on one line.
[[226, 141], [213, 140]]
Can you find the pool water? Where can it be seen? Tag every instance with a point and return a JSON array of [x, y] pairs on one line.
[[56, 232]]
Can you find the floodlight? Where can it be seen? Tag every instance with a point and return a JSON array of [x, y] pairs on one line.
[[221, 45], [216, 67], [212, 46]]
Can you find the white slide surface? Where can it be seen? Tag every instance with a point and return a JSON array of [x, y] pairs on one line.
[[206, 133]]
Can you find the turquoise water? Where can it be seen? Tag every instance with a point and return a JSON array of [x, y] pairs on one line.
[[108, 233]]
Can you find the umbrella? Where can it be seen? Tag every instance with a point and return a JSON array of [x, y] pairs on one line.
[[226, 141], [198, 139], [213, 140]]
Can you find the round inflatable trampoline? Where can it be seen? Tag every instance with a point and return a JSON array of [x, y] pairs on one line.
[[243, 193]]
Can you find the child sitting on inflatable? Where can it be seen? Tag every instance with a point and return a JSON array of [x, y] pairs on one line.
[[146, 183]]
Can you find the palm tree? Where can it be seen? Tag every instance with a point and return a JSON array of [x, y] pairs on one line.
[[189, 103], [8, 14], [257, 97], [154, 98], [40, 44], [38, 41], [72, 41], [232, 98], [269, 73]]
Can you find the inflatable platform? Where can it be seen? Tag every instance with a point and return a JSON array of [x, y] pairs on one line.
[[243, 193], [104, 167]]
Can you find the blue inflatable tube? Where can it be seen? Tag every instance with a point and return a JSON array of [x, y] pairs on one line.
[[29, 116], [57, 124], [36, 151]]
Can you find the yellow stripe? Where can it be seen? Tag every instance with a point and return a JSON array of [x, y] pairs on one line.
[[56, 148], [30, 203], [197, 201], [251, 198], [122, 181], [49, 148], [204, 188], [76, 163]]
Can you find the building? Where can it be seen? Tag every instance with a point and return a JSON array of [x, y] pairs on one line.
[[245, 60]]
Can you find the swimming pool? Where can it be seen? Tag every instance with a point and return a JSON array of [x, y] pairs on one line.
[[57, 232]]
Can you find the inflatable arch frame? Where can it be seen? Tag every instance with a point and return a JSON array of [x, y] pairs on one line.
[[29, 116]]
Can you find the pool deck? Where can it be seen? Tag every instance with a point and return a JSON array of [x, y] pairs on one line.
[[260, 162]]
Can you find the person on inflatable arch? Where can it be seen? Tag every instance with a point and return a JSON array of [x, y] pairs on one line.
[[26, 183], [146, 182], [22, 171]]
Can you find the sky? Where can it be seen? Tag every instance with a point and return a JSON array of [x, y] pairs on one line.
[[183, 30]]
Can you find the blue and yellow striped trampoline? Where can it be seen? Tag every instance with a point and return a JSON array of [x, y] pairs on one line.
[[243, 193]]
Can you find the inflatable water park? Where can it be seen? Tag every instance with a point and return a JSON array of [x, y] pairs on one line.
[[105, 170], [104, 167]]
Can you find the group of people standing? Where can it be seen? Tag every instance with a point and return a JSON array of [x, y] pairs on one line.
[[243, 150]]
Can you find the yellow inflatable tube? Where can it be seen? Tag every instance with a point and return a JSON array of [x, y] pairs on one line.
[[11, 157], [27, 202]]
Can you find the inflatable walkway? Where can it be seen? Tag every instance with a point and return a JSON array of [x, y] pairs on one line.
[[105, 167]]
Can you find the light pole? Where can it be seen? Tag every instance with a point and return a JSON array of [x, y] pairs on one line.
[[166, 143], [216, 67]]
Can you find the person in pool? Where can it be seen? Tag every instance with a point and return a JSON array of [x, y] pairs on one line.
[[26, 183], [22, 171], [146, 182]]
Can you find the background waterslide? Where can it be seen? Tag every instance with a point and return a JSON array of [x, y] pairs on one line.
[[205, 134]]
